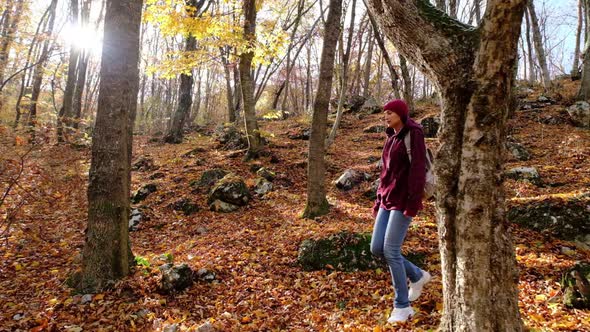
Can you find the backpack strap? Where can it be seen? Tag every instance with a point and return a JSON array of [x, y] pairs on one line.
[[408, 143]]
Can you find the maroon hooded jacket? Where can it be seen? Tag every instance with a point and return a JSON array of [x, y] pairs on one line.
[[402, 182]]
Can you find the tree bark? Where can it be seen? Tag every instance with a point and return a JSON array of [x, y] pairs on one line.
[[106, 256], [584, 92], [532, 74], [185, 92], [473, 72], [247, 84], [343, 78], [317, 204], [11, 20], [368, 63], [576, 64], [66, 114], [38, 75], [408, 92], [231, 114], [538, 42]]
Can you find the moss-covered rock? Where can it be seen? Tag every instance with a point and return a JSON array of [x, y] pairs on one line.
[[143, 192], [344, 251], [575, 284], [564, 218], [231, 189], [208, 179]]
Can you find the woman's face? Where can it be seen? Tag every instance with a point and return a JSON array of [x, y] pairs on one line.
[[392, 119]]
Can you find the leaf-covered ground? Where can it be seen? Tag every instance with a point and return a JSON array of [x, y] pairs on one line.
[[253, 251]]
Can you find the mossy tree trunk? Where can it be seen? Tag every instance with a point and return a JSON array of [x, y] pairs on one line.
[[106, 255], [317, 203], [473, 71]]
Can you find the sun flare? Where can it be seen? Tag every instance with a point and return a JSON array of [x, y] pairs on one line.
[[85, 38]]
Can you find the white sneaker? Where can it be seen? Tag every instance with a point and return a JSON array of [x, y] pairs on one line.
[[416, 287], [400, 315]]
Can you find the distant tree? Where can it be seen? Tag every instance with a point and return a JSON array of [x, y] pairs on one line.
[[106, 256], [584, 92], [473, 69]]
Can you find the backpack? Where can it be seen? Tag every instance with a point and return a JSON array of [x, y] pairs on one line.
[[430, 184]]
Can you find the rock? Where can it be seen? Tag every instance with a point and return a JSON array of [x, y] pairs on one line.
[[221, 206], [373, 159], [375, 129], [18, 316], [544, 99], [580, 114], [166, 258], [350, 179], [185, 205], [529, 174], [372, 192], [171, 328], [371, 106], [230, 189], [194, 152], [207, 327], [175, 278], [354, 103], [575, 284], [255, 167], [209, 178], [157, 175], [430, 126], [518, 151], [201, 230], [564, 218], [343, 251], [262, 186], [86, 298], [134, 220], [144, 164], [205, 275], [266, 173], [230, 137], [567, 251], [143, 192], [302, 134]]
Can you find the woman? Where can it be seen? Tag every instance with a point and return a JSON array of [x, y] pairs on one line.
[[399, 198]]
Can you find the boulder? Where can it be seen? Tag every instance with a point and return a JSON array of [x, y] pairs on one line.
[[350, 179], [205, 275], [175, 278], [529, 174], [580, 114], [230, 137], [564, 218], [262, 186], [144, 164], [575, 284], [343, 251], [143, 192], [209, 178], [370, 106], [231, 189], [266, 173], [185, 206], [134, 220], [430, 126], [378, 128], [302, 134], [221, 206], [518, 151]]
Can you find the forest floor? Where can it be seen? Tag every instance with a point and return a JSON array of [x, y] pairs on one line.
[[253, 252]]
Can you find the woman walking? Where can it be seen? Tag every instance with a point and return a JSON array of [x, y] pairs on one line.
[[399, 198]]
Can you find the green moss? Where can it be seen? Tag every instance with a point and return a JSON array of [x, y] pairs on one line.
[[312, 211]]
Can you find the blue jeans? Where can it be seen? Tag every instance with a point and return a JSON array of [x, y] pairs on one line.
[[388, 235]]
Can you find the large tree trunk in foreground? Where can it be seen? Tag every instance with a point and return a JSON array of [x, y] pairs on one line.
[[473, 71], [317, 204], [106, 256], [247, 83]]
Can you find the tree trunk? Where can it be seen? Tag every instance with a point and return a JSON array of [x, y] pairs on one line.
[[185, 91], [38, 75], [83, 58], [106, 256], [408, 92], [473, 71], [584, 92], [538, 42], [247, 84], [11, 20], [66, 112], [576, 65], [317, 204], [532, 75], [231, 114], [343, 79], [368, 63]]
